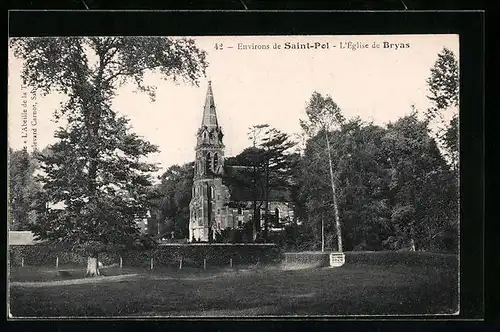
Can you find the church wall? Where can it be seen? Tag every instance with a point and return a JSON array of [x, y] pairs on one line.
[[285, 209]]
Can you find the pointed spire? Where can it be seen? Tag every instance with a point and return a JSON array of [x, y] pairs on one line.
[[209, 114]]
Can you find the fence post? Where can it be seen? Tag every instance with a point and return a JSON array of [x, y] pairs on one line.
[[57, 262], [151, 263], [204, 263], [22, 261], [180, 264], [121, 262], [231, 262]]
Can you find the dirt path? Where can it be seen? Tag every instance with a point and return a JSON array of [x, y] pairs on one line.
[[132, 276], [74, 281]]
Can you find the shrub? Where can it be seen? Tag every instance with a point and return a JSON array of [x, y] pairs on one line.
[[294, 237], [409, 258], [145, 241]]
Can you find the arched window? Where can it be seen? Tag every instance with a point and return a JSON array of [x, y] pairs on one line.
[[208, 162], [210, 193], [216, 161]]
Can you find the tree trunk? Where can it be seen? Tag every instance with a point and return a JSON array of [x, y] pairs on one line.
[[335, 207], [412, 244], [254, 232], [256, 218], [266, 219], [93, 266], [322, 235]]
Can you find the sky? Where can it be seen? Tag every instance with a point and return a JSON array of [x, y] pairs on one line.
[[253, 85]]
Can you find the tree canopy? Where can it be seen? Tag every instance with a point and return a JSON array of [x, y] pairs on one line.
[[323, 116], [394, 186], [171, 202], [443, 83]]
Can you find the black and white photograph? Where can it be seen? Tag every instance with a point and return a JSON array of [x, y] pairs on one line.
[[233, 176]]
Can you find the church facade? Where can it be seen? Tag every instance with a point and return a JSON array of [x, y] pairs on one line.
[[210, 211]]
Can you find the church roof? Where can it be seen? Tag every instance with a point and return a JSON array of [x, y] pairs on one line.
[[209, 114], [275, 195], [239, 184]]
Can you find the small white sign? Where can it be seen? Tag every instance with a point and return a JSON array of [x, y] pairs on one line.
[[337, 259]]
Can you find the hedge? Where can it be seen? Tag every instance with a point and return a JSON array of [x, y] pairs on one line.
[[408, 258], [376, 258], [194, 255], [163, 255], [45, 255], [219, 255]]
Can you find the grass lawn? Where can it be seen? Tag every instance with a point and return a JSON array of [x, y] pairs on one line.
[[357, 288]]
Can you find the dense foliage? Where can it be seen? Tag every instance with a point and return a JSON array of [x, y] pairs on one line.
[[394, 187], [23, 189], [170, 206]]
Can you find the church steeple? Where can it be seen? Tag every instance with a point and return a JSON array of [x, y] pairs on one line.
[[210, 133], [209, 113], [207, 207]]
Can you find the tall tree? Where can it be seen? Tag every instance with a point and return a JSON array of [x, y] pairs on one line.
[[23, 189], [324, 115], [443, 84], [97, 170], [278, 164], [262, 171], [255, 159], [243, 176], [360, 170], [171, 206], [363, 176], [423, 191]]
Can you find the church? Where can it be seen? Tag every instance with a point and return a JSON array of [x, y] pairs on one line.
[[210, 211]]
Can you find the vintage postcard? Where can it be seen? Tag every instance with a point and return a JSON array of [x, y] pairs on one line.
[[233, 176]]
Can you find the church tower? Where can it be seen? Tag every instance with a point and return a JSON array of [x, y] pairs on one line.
[[208, 208]]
